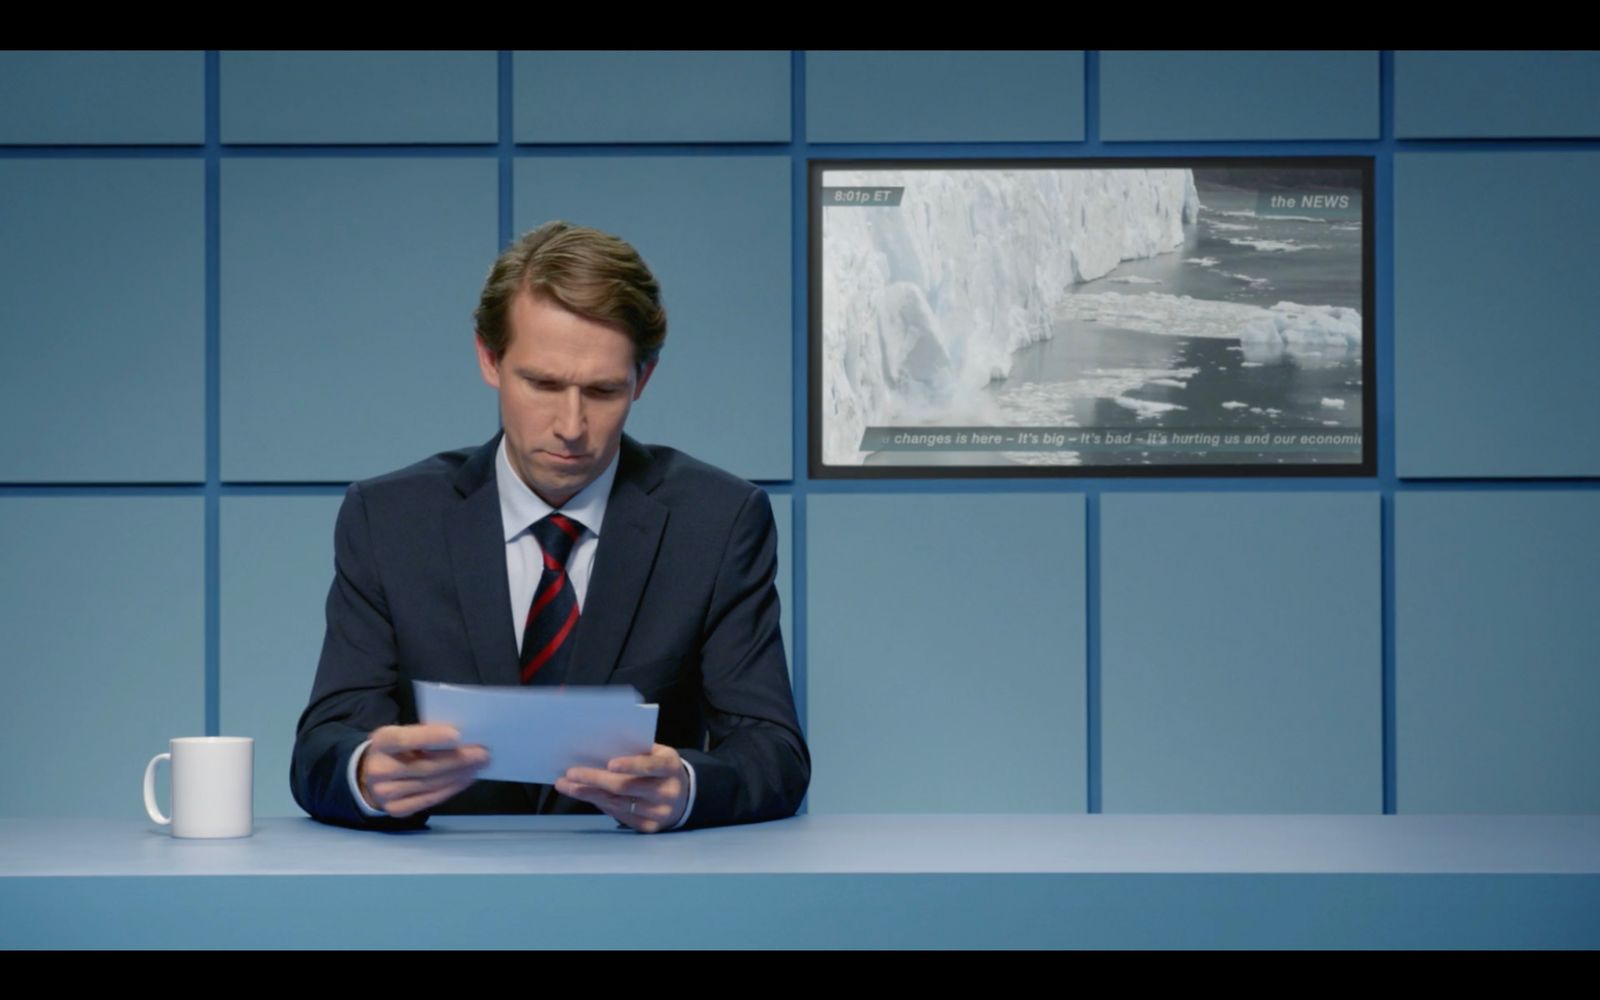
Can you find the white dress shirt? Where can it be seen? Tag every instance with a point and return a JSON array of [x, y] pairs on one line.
[[520, 509]]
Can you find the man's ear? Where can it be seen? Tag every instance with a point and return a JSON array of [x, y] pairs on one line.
[[644, 376], [488, 364]]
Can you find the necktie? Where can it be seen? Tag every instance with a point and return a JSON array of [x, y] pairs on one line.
[[553, 615]]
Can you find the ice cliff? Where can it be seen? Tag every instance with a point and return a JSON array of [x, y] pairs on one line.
[[927, 301]]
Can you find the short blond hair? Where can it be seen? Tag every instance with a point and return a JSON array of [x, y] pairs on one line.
[[584, 271]]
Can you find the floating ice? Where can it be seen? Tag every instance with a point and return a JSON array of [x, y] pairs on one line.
[[1234, 405], [1306, 332], [1291, 218], [1264, 334], [1134, 279], [1272, 246], [1332, 404], [1051, 403], [1128, 378], [1247, 279], [1147, 409], [1231, 227], [1203, 261]]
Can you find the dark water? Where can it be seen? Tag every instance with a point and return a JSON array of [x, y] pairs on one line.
[[1213, 371], [1325, 272], [1282, 391]]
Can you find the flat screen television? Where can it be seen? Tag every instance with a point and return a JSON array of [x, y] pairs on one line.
[[1091, 317]]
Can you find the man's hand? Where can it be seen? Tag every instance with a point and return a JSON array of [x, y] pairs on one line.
[[647, 792], [407, 769]]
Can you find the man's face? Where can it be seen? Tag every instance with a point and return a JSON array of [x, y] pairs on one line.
[[566, 384]]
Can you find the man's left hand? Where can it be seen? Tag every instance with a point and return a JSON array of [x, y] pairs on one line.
[[647, 792]]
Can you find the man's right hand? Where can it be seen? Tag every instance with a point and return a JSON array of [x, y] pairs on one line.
[[407, 769]]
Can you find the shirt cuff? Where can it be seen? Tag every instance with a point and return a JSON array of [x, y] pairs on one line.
[[355, 784], [688, 807]]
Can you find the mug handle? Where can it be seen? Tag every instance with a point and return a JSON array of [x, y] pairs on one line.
[[150, 790]]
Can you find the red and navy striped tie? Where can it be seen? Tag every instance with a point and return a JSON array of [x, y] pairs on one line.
[[553, 615]]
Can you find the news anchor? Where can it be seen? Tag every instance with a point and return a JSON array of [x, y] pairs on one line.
[[559, 552]]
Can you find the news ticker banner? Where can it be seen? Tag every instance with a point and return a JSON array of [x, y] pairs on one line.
[[1111, 439]]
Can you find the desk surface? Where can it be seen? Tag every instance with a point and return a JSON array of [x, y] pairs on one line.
[[818, 881], [942, 844]]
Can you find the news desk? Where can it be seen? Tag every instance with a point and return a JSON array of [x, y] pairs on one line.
[[943, 882]]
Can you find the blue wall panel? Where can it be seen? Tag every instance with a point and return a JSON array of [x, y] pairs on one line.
[[1495, 304], [102, 608], [1240, 653], [715, 230], [1497, 652], [944, 96], [102, 322], [1446, 95], [347, 295], [1238, 95], [651, 96], [102, 98], [358, 97], [945, 663], [277, 563]]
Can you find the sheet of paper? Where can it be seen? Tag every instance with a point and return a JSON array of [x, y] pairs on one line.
[[535, 734]]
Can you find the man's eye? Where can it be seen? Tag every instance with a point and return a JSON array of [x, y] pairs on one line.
[[604, 391]]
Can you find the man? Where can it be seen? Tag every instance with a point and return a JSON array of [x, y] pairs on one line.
[[560, 552]]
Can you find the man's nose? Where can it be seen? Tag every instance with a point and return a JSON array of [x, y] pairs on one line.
[[569, 414]]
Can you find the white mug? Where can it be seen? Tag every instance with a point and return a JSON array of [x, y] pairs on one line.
[[212, 786]]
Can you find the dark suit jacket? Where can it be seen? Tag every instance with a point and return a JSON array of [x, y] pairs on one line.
[[681, 605]]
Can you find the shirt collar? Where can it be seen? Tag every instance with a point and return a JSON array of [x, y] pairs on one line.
[[520, 507]]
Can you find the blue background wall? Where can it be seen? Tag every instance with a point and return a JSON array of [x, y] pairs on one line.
[[232, 282]]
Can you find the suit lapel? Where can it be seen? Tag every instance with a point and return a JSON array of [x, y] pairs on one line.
[[476, 537], [629, 540]]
